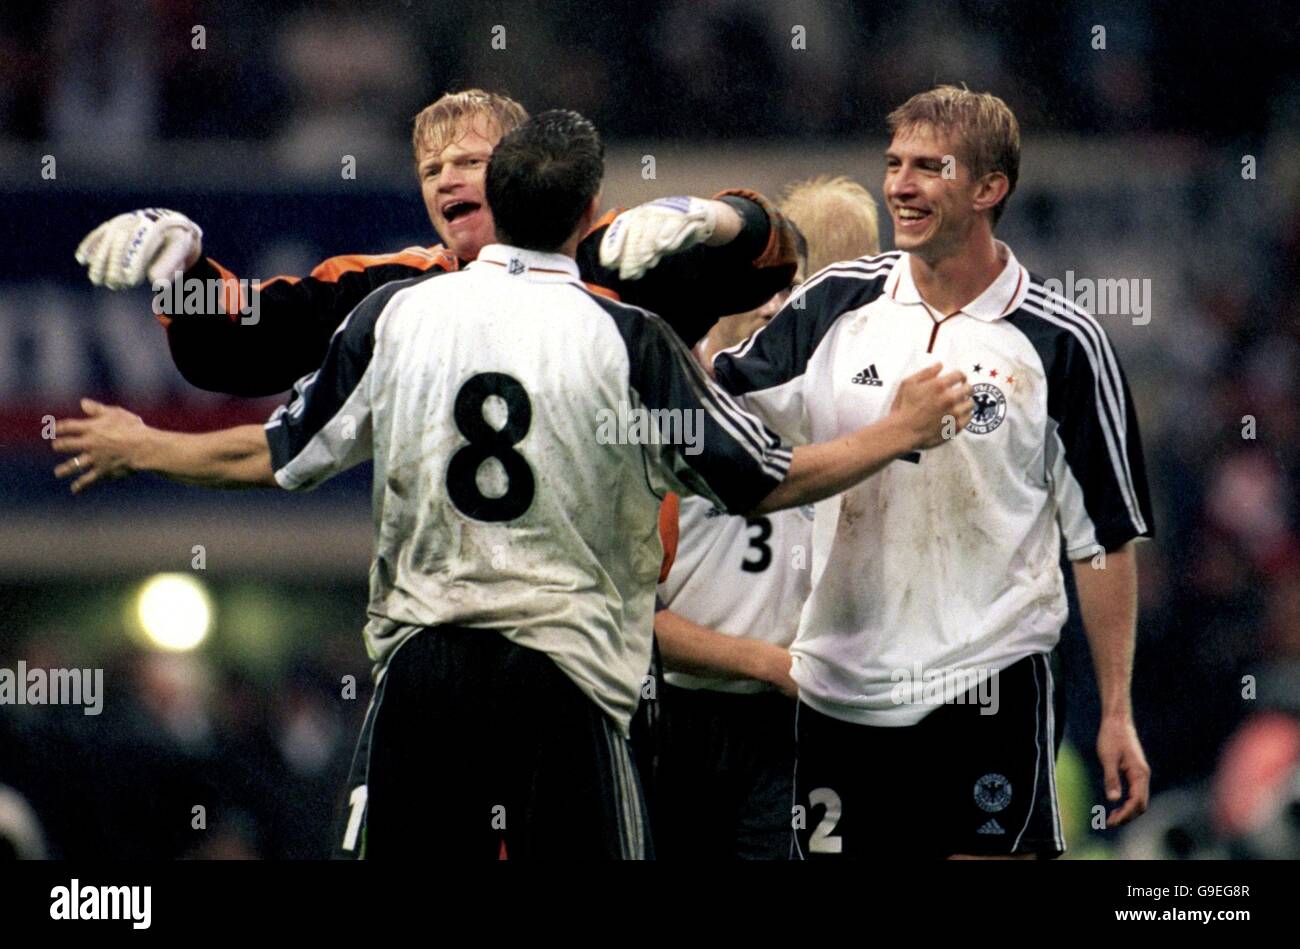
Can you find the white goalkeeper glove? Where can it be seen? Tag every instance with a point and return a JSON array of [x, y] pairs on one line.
[[119, 252], [639, 238]]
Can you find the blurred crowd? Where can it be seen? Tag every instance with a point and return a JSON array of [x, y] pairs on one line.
[[190, 758], [1218, 664], [306, 74]]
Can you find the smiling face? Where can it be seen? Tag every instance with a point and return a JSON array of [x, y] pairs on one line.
[[934, 215], [452, 179], [931, 213]]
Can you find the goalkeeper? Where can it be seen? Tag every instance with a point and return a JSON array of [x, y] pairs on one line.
[[690, 259]]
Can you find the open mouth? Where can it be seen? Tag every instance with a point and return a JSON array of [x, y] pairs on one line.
[[459, 209], [910, 217]]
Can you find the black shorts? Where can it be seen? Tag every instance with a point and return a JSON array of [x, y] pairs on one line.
[[958, 782], [725, 781], [475, 748]]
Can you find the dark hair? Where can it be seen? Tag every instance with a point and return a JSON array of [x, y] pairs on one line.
[[541, 178]]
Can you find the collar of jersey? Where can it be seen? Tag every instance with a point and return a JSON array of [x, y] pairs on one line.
[[999, 298], [533, 264]]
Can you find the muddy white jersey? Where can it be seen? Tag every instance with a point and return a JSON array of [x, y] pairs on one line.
[[524, 430], [945, 562]]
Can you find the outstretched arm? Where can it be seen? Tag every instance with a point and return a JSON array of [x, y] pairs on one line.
[[110, 442], [227, 333], [929, 410]]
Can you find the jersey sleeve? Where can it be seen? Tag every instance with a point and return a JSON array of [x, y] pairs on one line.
[[692, 289], [766, 372], [713, 447], [326, 427], [257, 341], [1094, 451]]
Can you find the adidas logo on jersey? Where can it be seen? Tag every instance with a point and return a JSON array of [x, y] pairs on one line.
[[868, 377], [991, 826]]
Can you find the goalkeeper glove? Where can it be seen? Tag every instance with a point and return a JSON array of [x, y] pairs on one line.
[[118, 253], [639, 238]]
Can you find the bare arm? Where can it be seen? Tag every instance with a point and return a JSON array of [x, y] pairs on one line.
[[928, 410], [827, 468], [111, 442], [699, 650], [1108, 604]]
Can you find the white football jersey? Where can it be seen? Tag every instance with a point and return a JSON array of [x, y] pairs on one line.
[[740, 576], [524, 430], [946, 563]]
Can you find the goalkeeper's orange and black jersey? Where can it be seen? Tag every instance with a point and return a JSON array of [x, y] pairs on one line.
[[286, 333]]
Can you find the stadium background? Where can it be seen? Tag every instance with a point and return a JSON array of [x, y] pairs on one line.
[[1133, 168]]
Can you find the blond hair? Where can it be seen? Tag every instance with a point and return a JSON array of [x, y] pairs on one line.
[[987, 130], [837, 217], [437, 125]]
